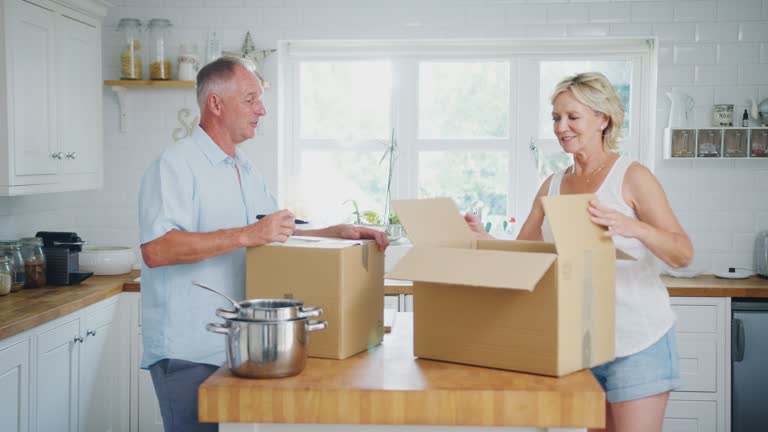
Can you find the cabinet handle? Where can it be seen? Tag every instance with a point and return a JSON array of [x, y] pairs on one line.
[[56, 155], [71, 155], [78, 339], [737, 340], [90, 333]]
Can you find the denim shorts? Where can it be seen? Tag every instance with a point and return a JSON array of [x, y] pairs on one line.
[[651, 371]]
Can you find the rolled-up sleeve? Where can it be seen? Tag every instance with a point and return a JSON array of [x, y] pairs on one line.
[[166, 199]]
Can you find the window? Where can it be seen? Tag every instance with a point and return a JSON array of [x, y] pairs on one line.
[[470, 121]]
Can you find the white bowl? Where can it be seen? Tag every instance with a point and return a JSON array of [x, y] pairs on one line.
[[107, 260]]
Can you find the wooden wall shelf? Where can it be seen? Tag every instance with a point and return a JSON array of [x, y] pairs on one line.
[[120, 87], [149, 83]]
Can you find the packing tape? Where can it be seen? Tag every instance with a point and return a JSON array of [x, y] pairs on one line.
[[364, 245], [586, 312]]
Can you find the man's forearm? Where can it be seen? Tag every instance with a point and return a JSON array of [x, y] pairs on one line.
[[180, 247]]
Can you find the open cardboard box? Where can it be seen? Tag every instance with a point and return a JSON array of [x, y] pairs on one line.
[[538, 307], [343, 277]]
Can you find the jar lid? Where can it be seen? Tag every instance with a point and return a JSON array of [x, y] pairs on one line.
[[35, 240], [128, 22], [9, 243], [159, 22]]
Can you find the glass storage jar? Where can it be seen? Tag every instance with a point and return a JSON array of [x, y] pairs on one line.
[[34, 262], [159, 60], [130, 54], [6, 276], [12, 250], [188, 63]]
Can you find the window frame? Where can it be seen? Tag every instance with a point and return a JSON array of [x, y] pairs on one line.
[[523, 126]]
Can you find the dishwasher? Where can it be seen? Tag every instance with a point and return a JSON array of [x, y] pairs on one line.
[[749, 368]]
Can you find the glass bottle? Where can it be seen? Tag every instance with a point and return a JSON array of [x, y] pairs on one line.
[[5, 276], [188, 63], [12, 250], [159, 61], [34, 262], [130, 54]]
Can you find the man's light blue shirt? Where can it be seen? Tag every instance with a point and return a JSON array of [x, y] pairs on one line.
[[193, 187]]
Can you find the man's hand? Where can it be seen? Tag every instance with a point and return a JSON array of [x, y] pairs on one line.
[[351, 232], [275, 227]]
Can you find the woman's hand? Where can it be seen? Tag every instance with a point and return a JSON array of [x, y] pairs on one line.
[[617, 223], [476, 226]]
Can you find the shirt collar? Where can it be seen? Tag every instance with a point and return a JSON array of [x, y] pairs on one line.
[[215, 154]]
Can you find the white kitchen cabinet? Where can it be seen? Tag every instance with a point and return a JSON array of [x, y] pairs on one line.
[[70, 374], [14, 386], [104, 363], [145, 409], [702, 402], [55, 395], [50, 96]]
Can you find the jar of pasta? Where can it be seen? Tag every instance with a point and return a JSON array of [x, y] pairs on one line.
[[6, 276], [34, 262], [130, 52], [12, 250], [159, 59]]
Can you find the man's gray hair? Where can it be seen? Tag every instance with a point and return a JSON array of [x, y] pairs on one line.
[[217, 75]]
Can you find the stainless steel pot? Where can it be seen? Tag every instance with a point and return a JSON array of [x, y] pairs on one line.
[[270, 310], [264, 309], [267, 349]]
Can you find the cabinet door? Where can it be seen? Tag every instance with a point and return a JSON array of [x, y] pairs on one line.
[[32, 99], [104, 373], [690, 416], [56, 389], [78, 95], [14, 387]]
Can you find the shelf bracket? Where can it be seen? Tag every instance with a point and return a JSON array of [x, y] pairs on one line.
[[122, 96]]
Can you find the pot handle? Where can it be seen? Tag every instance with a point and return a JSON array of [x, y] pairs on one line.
[[310, 311], [313, 325], [217, 328]]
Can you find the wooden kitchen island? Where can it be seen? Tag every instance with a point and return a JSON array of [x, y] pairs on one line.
[[387, 386]]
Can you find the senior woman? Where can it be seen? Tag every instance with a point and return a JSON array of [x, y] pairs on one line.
[[587, 115]]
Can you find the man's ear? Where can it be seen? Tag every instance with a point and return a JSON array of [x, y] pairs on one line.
[[214, 103]]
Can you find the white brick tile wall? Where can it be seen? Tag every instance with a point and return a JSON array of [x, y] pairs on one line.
[[734, 53], [609, 13], [568, 14], [729, 10], [694, 54], [717, 32], [753, 32], [652, 12], [695, 11], [714, 50], [527, 14]]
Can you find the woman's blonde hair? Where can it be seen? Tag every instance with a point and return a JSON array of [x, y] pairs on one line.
[[595, 91]]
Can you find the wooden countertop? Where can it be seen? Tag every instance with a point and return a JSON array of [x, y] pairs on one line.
[[387, 385], [32, 307], [711, 286], [700, 286]]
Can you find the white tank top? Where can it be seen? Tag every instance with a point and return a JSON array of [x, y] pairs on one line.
[[643, 312]]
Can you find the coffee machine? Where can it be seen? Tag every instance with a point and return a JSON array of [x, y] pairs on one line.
[[61, 250]]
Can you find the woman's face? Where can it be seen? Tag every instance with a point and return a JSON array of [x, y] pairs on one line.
[[576, 126]]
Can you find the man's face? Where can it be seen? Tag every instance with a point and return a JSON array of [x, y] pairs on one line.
[[243, 106]]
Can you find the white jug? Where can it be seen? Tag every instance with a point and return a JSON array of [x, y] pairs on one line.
[[680, 111]]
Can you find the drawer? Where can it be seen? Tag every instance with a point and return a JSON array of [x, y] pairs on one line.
[[696, 318], [690, 416], [698, 362]]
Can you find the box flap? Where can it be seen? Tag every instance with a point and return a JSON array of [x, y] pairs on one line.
[[318, 242], [483, 268], [434, 222], [571, 225]]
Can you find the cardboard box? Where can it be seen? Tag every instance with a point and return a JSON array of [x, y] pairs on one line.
[[343, 277], [543, 308]]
